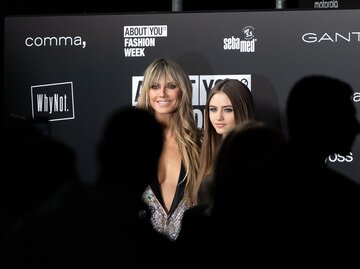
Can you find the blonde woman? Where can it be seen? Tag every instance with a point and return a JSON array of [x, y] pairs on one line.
[[166, 92]]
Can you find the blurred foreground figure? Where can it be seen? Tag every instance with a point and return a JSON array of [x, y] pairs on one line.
[[248, 181], [322, 121], [102, 226]]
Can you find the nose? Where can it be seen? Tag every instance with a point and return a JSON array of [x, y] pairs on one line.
[[219, 115], [163, 91], [357, 126]]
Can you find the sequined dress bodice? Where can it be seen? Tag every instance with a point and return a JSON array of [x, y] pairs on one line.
[[167, 223]]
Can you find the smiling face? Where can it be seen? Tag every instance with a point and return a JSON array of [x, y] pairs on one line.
[[221, 113], [164, 96]]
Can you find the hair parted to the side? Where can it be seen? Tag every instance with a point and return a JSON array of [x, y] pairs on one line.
[[187, 133]]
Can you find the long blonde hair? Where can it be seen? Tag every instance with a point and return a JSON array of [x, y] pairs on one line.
[[187, 134]]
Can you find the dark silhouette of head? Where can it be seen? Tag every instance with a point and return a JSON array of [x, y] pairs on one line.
[[321, 116], [131, 144], [249, 164], [35, 167]]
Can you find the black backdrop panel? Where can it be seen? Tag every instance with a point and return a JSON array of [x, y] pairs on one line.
[[76, 69]]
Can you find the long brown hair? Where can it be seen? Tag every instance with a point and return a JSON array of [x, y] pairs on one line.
[[244, 109]]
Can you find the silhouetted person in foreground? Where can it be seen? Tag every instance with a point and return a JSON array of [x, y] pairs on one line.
[[106, 225], [322, 121], [248, 175], [128, 156], [34, 167]]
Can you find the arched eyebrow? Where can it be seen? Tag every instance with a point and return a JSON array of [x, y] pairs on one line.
[[222, 107]]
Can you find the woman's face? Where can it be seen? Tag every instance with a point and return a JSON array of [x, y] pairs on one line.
[[221, 113], [164, 96]]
